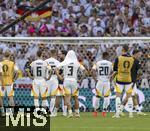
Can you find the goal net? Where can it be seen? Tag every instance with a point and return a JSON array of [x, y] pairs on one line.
[[88, 50]]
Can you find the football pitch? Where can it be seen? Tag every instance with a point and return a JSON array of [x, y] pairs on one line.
[[89, 123]]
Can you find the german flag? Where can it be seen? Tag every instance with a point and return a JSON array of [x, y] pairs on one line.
[[37, 15]]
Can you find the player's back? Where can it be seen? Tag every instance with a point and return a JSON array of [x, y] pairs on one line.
[[8, 69], [104, 68], [70, 71], [53, 63], [39, 68], [125, 64]]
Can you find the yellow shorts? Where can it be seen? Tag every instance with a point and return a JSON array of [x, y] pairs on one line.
[[120, 87], [8, 90]]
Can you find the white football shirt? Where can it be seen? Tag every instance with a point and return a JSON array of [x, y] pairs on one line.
[[39, 68], [53, 64], [104, 69], [70, 71]]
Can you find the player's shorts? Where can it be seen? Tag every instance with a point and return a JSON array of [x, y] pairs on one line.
[[8, 90], [71, 88], [39, 88], [134, 91], [102, 88], [52, 87], [60, 91], [120, 87]]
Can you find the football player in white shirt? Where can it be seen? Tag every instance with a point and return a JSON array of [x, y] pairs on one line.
[[53, 82], [61, 93], [103, 70], [70, 69], [40, 87]]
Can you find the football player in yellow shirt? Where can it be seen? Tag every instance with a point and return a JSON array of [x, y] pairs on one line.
[[9, 73], [122, 69]]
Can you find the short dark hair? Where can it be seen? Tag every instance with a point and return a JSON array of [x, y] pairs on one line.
[[125, 48], [53, 52], [136, 51], [39, 53], [64, 52], [7, 53], [105, 55]]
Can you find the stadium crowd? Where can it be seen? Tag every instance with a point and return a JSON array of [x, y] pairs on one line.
[[81, 18], [25, 53]]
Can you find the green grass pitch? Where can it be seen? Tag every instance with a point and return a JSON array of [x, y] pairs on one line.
[[89, 123]]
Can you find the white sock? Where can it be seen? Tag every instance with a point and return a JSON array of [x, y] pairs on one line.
[[52, 104], [137, 108], [130, 104], [2, 109], [65, 109], [96, 103], [44, 103], [118, 105], [70, 111], [77, 111], [36, 102], [63, 106], [106, 102]]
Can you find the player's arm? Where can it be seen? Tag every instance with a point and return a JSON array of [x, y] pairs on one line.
[[49, 72], [16, 69], [57, 71], [1, 76], [93, 72], [115, 69], [139, 71], [28, 71], [84, 73]]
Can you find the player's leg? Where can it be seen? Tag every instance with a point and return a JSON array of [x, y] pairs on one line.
[[135, 100], [68, 93], [54, 90], [75, 94], [35, 93], [128, 89], [98, 94], [64, 104], [43, 86], [106, 91], [10, 94], [2, 93], [118, 89]]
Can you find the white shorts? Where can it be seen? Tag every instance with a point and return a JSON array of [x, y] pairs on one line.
[[8, 90], [71, 88], [120, 87], [39, 87], [52, 87], [102, 88], [60, 91], [134, 91]]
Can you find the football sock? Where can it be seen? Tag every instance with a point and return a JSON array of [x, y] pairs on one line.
[[65, 109], [52, 104], [118, 105], [137, 108], [130, 104], [106, 103], [36, 103], [70, 111], [77, 111], [44, 103], [96, 103]]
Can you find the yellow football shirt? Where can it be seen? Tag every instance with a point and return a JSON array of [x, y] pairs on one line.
[[8, 70]]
